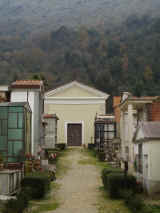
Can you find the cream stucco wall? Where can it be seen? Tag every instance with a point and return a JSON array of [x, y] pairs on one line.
[[75, 103], [75, 113]]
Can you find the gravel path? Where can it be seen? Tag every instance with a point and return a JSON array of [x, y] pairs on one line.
[[79, 187]]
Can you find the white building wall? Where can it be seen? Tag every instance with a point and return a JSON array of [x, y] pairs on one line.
[[125, 129], [35, 102], [150, 176], [151, 148], [128, 127], [123, 134]]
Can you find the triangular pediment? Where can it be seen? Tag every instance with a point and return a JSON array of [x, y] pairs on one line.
[[75, 90]]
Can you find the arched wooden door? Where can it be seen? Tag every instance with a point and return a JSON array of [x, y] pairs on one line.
[[74, 134]]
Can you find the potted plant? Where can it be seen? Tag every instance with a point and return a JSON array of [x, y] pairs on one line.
[[1, 163]]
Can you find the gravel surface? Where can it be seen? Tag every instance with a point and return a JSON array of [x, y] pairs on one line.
[[79, 189]]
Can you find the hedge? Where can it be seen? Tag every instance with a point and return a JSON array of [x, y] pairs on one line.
[[91, 146], [106, 172], [135, 204], [101, 156], [118, 183], [38, 185], [17, 205]]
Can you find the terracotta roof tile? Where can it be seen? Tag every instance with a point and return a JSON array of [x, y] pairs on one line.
[[46, 116], [151, 129], [144, 97], [27, 84]]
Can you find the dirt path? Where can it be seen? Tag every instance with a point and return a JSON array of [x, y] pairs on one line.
[[79, 187]]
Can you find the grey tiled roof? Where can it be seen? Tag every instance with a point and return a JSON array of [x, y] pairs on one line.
[[150, 129]]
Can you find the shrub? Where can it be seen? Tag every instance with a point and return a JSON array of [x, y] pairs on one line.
[[125, 193], [38, 185], [50, 150], [117, 182], [139, 187], [106, 172], [152, 208], [130, 183], [61, 146], [11, 206], [101, 156], [135, 204], [91, 146], [17, 205]]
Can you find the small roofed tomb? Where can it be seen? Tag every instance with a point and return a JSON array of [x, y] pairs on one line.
[[50, 130], [15, 131], [105, 132], [147, 155]]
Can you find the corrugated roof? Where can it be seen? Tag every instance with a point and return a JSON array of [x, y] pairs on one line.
[[27, 84]]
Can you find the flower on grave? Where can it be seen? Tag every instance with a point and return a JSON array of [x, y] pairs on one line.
[[52, 156], [29, 156]]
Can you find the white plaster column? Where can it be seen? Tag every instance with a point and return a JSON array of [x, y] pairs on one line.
[[145, 114], [130, 132], [122, 134]]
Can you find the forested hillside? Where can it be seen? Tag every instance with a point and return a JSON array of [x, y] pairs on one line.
[[123, 59], [30, 16]]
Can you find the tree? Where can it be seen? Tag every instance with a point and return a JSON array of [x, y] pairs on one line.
[[148, 74], [42, 78]]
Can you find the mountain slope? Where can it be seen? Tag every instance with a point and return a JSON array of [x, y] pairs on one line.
[[25, 16], [116, 60]]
